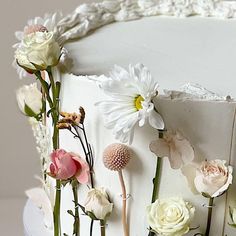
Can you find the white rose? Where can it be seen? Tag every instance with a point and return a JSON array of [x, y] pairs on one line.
[[29, 100], [38, 51], [98, 204], [170, 217], [213, 177]]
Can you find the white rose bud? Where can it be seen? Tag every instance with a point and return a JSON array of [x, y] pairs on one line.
[[170, 217], [213, 178], [98, 204], [38, 51], [29, 100]]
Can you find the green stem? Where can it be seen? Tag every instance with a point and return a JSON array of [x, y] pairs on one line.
[[156, 180], [209, 216], [76, 230], [156, 185], [103, 227], [54, 106], [45, 87], [56, 211]]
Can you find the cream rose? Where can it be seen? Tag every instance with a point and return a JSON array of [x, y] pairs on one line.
[[98, 204], [213, 178], [29, 100], [170, 217], [38, 51]]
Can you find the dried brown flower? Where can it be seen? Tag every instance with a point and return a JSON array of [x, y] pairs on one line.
[[63, 126], [70, 118], [82, 114]]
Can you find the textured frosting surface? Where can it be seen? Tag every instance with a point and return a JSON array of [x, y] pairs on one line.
[[88, 17], [197, 120]]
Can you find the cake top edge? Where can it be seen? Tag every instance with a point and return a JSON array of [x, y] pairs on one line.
[[188, 91]]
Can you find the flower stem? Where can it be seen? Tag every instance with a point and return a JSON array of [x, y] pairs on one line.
[[76, 231], [54, 106], [124, 195], [91, 227], [56, 211], [156, 185], [209, 216], [156, 180], [103, 227]]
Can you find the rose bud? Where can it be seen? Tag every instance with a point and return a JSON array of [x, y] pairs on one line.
[[29, 100], [66, 165], [97, 205]]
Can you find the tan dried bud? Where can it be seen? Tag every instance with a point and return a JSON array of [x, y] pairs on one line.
[[82, 114], [63, 126], [71, 118]]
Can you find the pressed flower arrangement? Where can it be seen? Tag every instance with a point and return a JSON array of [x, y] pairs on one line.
[[129, 104]]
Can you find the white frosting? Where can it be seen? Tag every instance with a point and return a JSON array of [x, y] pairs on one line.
[[195, 92], [88, 17]]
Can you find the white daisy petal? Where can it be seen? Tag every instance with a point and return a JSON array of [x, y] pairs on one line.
[[155, 120], [129, 102]]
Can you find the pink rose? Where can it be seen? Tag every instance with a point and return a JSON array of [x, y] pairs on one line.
[[66, 165], [213, 177]]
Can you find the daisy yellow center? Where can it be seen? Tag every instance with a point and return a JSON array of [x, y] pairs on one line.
[[138, 102]]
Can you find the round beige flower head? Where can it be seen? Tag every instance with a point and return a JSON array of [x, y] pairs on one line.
[[116, 156], [34, 28]]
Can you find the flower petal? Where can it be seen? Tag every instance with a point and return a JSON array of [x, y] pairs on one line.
[[156, 121], [160, 148]]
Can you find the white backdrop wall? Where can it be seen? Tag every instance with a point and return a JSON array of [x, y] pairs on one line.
[[19, 160]]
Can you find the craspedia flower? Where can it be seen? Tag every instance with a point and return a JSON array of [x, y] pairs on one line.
[[116, 156]]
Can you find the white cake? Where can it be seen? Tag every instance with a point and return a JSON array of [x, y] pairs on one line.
[[177, 51]]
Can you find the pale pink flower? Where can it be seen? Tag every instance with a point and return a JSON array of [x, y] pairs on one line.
[[66, 165], [213, 177], [174, 146]]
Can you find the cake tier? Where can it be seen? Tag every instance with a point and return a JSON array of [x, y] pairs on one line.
[[176, 51], [209, 125]]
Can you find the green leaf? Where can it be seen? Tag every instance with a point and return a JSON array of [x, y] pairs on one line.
[[38, 67], [91, 215], [64, 182], [29, 70], [231, 213], [206, 195], [83, 209], [232, 225], [70, 212], [43, 106], [29, 111]]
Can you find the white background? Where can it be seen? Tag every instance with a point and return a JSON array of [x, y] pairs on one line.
[[18, 156]]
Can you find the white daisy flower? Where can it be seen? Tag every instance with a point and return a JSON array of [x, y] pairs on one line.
[[130, 101]]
